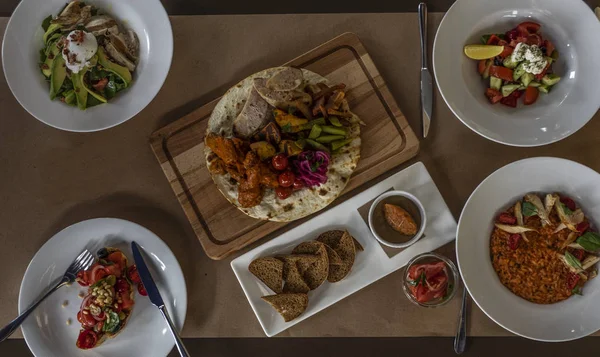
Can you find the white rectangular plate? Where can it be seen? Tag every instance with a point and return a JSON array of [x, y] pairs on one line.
[[369, 266]]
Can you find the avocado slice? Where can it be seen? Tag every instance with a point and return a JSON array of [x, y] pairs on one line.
[[59, 73], [80, 93], [70, 97], [51, 29], [89, 90], [52, 54], [119, 70]]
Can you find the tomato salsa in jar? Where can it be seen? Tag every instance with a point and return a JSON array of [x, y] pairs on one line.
[[430, 280]]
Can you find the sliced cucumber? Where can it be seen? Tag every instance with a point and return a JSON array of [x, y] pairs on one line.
[[555, 55], [509, 63], [486, 72], [544, 88], [509, 88], [549, 59], [550, 79], [534, 84], [518, 72], [495, 83], [526, 78]]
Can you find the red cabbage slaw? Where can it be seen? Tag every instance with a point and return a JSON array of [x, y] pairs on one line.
[[311, 167]]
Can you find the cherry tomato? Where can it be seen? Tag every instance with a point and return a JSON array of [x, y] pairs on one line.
[[507, 51], [513, 241], [512, 34], [127, 302], [280, 162], [531, 95], [133, 275], [481, 65], [572, 280], [528, 27], [502, 72], [493, 40], [122, 286], [286, 179], [142, 289], [298, 184], [115, 270], [549, 47], [283, 192], [567, 201], [102, 316], [87, 320], [583, 227], [118, 309], [98, 273], [506, 218], [87, 339], [82, 278], [493, 95], [578, 253], [509, 101]]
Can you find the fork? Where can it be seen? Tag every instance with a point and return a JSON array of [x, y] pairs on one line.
[[82, 262]]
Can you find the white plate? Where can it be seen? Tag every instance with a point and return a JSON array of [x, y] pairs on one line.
[[573, 318], [575, 32], [20, 55], [370, 265], [146, 333]]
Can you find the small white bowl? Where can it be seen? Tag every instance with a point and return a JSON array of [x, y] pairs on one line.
[[375, 223]]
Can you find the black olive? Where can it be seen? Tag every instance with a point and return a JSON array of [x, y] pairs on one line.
[[543, 49], [102, 253], [497, 61]]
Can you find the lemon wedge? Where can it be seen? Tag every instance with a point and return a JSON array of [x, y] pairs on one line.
[[479, 52]]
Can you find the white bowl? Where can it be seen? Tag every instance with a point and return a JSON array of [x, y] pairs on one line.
[[145, 334], [20, 54], [575, 32], [414, 201], [575, 317]]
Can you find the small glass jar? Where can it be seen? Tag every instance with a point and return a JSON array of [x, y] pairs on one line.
[[453, 279]]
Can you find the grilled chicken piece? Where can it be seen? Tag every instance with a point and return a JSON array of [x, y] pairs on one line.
[[253, 117], [250, 192], [228, 150], [73, 15], [268, 177], [286, 80]]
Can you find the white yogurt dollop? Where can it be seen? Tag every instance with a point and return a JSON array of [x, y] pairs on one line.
[[80, 47]]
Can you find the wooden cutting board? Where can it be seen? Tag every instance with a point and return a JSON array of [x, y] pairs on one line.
[[387, 141]]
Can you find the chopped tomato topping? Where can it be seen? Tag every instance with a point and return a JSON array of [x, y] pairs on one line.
[[509, 101], [133, 275], [549, 47], [501, 72], [583, 227], [118, 258], [493, 40], [142, 289], [428, 281], [572, 280], [531, 95], [99, 86], [87, 339], [493, 95]]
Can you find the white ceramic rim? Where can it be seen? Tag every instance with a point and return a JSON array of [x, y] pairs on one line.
[[421, 211], [158, 77], [466, 286], [179, 323]]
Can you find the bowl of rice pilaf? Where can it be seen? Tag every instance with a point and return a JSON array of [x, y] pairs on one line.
[[528, 248]]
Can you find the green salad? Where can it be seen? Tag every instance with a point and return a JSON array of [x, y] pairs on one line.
[[87, 58]]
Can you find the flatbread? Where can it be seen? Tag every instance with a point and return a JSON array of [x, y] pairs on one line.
[[302, 202]]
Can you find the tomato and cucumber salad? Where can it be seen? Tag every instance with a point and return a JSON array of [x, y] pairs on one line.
[[109, 300], [516, 64]]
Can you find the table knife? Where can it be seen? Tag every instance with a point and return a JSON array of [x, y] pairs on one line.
[[154, 296], [426, 81]]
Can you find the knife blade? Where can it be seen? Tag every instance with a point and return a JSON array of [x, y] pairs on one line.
[[154, 296], [142, 268], [426, 99], [426, 80]]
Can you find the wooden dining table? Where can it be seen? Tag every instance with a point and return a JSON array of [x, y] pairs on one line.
[[52, 179]]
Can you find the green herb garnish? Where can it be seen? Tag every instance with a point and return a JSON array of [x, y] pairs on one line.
[[576, 290], [529, 209], [590, 241], [46, 23], [572, 261]]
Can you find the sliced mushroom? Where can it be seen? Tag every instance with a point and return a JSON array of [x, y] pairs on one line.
[[119, 57], [541, 211], [519, 215], [514, 229], [102, 25], [571, 221], [559, 228]]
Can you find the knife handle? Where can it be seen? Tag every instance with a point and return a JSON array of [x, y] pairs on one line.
[[178, 342], [423, 32]]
